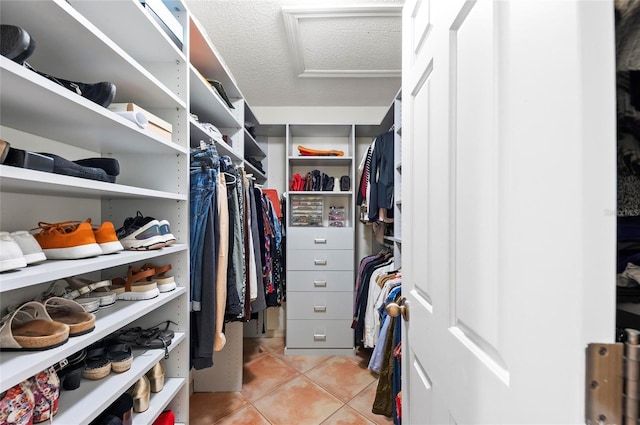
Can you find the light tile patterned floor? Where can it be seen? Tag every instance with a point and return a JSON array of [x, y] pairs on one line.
[[292, 390]]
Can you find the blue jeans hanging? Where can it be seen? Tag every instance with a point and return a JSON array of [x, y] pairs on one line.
[[204, 171]]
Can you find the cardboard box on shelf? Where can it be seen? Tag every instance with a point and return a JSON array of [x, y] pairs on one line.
[[156, 125]]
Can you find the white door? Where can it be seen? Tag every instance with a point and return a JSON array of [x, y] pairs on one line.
[[509, 205]]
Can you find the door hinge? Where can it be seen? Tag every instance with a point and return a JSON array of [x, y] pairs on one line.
[[604, 379]]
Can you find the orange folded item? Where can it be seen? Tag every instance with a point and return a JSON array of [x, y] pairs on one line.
[[316, 152]]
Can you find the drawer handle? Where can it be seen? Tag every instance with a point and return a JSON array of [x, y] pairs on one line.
[[320, 240], [318, 337], [320, 283], [320, 308], [320, 262]]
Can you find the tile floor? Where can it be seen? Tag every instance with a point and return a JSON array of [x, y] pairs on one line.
[[292, 390]]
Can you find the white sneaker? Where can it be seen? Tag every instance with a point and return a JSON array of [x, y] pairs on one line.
[[29, 246], [165, 231], [11, 257]]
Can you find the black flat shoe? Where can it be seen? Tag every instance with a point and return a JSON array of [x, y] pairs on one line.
[[70, 168], [16, 43], [110, 165], [101, 93]]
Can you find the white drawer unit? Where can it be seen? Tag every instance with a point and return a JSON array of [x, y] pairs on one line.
[[320, 241], [320, 238], [324, 305], [318, 334], [320, 281], [318, 259]]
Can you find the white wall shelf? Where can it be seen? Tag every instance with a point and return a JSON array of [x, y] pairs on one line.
[[198, 133], [51, 270], [42, 106], [94, 57], [91, 42], [18, 366], [151, 43], [207, 105], [22, 180], [71, 406]]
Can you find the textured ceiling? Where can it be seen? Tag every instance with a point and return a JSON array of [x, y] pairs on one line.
[[308, 53]]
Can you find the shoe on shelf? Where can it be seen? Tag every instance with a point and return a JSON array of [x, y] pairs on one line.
[[70, 370], [97, 365], [101, 93], [98, 290], [72, 314], [69, 168], [11, 257], [30, 160], [60, 288], [29, 246], [4, 150], [106, 237], [165, 231], [30, 328], [165, 283], [16, 43], [156, 377], [135, 287], [120, 354], [141, 392], [68, 240], [141, 233], [16, 404], [110, 165]]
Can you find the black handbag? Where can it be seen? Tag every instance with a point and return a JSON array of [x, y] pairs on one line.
[[345, 183]]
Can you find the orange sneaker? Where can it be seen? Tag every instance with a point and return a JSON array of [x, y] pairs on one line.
[[106, 237], [68, 240]]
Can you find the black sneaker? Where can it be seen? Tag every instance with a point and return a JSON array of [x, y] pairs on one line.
[[141, 233], [101, 93], [16, 43]]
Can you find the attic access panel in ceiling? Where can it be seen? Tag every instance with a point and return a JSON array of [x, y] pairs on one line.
[[329, 41]]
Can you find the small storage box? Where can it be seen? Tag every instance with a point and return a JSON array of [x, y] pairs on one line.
[[306, 211]]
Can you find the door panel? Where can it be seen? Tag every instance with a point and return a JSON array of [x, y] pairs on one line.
[[508, 159], [475, 152]]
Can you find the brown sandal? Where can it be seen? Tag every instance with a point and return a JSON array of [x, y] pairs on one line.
[[135, 287], [165, 283]]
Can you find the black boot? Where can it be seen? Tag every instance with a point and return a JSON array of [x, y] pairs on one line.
[[101, 93], [16, 43]]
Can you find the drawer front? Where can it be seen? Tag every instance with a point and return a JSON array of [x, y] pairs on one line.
[[318, 259], [320, 281], [320, 238], [319, 334], [324, 305]]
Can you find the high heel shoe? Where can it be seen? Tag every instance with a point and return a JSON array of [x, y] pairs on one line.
[[140, 391], [70, 370], [156, 377]]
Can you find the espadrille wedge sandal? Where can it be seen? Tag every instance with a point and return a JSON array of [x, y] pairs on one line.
[[120, 355], [97, 365]]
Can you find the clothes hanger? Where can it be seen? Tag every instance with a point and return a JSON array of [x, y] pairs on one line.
[[230, 179]]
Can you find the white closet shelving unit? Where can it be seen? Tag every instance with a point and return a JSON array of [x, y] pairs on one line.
[[320, 259], [119, 42], [392, 120], [397, 181], [207, 63]]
